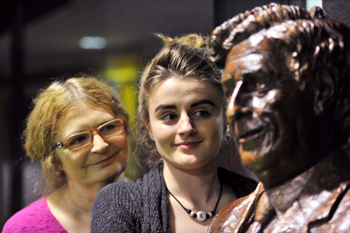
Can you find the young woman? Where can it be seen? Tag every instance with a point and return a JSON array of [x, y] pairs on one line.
[[181, 130], [77, 130]]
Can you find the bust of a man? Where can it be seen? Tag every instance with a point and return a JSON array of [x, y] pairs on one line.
[[287, 76]]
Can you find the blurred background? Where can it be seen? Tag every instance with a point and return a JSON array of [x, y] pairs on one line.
[[41, 41]]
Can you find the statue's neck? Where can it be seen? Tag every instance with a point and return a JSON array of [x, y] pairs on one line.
[[327, 174], [283, 196]]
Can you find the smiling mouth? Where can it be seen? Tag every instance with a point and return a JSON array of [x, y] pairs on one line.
[[251, 135], [187, 145], [105, 160]]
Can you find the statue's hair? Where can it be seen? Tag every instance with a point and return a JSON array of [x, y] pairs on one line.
[[319, 49], [181, 57], [51, 108], [243, 25]]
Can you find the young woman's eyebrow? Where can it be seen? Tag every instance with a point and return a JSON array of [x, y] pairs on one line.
[[165, 107], [205, 101]]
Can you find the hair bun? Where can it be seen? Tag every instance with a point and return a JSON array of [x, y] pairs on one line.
[[193, 40]]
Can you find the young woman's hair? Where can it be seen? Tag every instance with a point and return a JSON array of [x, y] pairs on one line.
[[52, 108], [184, 57]]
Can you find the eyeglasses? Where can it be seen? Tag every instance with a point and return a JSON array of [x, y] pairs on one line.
[[79, 140]]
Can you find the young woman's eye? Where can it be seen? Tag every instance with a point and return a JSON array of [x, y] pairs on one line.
[[202, 113], [169, 117]]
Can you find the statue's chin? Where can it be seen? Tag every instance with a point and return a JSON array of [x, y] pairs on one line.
[[255, 151]]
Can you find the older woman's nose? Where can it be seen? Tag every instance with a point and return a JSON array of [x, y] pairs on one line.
[[99, 144]]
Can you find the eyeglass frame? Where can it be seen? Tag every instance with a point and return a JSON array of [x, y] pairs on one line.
[[60, 145]]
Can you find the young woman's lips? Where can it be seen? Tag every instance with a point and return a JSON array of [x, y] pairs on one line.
[[187, 145]]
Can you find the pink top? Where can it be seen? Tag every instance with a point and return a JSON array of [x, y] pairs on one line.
[[36, 217]]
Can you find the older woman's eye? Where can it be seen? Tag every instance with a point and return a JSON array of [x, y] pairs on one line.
[[78, 140]]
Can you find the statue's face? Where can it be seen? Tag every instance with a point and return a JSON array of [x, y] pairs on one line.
[[268, 113]]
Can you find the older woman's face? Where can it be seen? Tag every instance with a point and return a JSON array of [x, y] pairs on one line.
[[101, 161]]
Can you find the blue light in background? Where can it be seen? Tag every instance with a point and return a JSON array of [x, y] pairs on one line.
[[92, 42], [311, 3]]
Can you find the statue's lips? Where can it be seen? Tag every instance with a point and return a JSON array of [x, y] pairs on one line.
[[251, 134]]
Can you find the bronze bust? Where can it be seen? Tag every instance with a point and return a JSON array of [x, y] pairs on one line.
[[287, 76]]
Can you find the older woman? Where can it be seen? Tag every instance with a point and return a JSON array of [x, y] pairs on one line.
[[77, 130]]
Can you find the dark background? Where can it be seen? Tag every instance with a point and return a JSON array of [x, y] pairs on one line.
[[39, 42]]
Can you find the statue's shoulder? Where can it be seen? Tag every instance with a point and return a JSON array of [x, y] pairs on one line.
[[338, 219], [342, 213], [232, 216]]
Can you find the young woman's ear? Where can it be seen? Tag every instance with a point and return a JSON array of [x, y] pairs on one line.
[[149, 129]]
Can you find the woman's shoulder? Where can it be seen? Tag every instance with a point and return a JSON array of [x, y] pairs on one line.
[[134, 188], [127, 202], [35, 217], [241, 185], [118, 199]]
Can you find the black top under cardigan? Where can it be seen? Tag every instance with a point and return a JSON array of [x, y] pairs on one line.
[[142, 206]]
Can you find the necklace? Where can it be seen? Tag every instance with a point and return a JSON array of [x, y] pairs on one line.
[[200, 215]]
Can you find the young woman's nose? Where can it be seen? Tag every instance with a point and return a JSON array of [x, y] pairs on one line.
[[186, 126], [99, 145]]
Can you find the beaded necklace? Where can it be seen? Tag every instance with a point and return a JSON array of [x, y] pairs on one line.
[[200, 215]]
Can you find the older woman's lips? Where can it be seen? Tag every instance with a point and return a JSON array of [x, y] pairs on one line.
[[105, 160], [187, 145]]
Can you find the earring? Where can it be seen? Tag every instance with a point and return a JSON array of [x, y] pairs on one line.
[[228, 128]]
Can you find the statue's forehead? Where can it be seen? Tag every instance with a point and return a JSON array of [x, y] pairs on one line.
[[262, 42], [247, 56], [256, 55], [258, 43]]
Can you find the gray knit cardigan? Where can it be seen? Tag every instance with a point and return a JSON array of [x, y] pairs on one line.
[[142, 206]]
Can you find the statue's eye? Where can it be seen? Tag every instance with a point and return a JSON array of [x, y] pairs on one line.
[[261, 89]]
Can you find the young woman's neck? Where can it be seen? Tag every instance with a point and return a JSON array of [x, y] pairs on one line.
[[186, 184]]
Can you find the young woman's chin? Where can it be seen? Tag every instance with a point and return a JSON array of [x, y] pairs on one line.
[[190, 162]]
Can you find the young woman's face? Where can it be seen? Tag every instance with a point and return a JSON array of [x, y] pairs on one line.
[[186, 122], [103, 159]]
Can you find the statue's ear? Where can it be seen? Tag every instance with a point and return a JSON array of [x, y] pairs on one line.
[[324, 93]]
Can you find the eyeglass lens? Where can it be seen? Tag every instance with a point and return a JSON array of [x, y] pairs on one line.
[[85, 138]]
